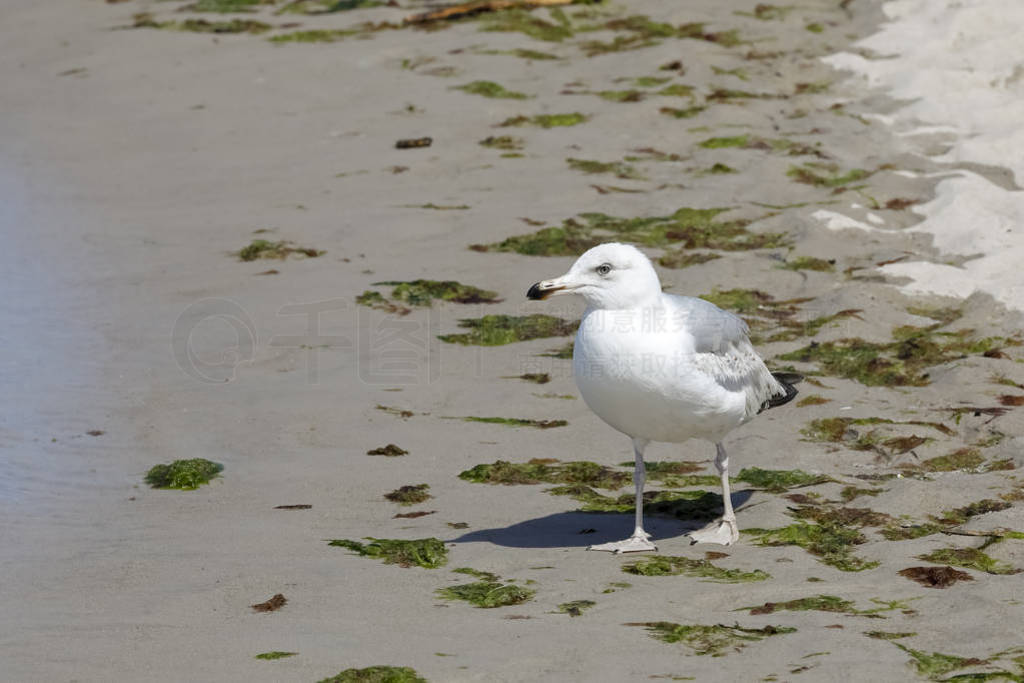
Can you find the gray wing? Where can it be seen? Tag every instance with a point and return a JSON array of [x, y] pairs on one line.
[[723, 350], [713, 329]]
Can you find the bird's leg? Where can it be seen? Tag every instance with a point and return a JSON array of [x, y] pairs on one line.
[[640, 540], [723, 531]]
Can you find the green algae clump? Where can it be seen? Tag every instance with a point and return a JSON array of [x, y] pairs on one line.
[[842, 516], [869, 363], [908, 533], [410, 494], [184, 475], [832, 178], [938, 664], [687, 113], [498, 330], [563, 352], [961, 459], [276, 654], [548, 472], [828, 603], [642, 32], [971, 558], [523, 53], [488, 593], [687, 227], [391, 450], [810, 263], [762, 312], [372, 299], [521, 21], [722, 142], [224, 5], [547, 120], [716, 640], [503, 472], [575, 608], [676, 90], [841, 430], [423, 292], [830, 542], [687, 505], [490, 89], [776, 481], [315, 35], [766, 12], [849, 493], [820, 603], [668, 565], [750, 301], [962, 514], [622, 95], [551, 241], [535, 377], [559, 120], [377, 674], [506, 142], [327, 6], [231, 26], [618, 168], [889, 635], [429, 553], [901, 362], [483, 576], [265, 249], [146, 20], [685, 259], [719, 169]]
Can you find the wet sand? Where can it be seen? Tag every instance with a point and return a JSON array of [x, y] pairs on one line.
[[140, 161]]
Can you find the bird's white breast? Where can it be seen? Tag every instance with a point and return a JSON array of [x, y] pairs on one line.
[[639, 372]]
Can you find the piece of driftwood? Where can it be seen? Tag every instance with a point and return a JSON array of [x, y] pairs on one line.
[[469, 8], [994, 533]]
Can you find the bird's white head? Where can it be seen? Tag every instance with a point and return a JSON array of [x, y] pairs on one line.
[[612, 276]]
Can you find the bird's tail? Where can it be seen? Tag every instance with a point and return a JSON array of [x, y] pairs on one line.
[[787, 380]]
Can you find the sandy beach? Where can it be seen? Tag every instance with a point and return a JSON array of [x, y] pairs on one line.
[[775, 160]]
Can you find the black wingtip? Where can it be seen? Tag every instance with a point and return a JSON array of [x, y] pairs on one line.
[[787, 380], [788, 377], [535, 292]]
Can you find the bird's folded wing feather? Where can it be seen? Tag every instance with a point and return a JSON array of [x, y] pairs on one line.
[[722, 350]]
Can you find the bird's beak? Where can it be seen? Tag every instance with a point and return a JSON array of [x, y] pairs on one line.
[[545, 288]]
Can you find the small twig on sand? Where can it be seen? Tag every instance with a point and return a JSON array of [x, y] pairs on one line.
[[994, 533], [468, 8]]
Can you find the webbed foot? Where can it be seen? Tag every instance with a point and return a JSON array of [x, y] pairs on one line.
[[722, 532], [637, 543]]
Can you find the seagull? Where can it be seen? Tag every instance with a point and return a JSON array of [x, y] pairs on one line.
[[662, 367]]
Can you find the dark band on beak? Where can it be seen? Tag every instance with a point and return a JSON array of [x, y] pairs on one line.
[[541, 291]]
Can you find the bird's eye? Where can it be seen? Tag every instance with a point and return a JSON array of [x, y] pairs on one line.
[[604, 269]]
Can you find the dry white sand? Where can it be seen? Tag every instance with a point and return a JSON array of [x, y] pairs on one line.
[[134, 162], [955, 70]]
